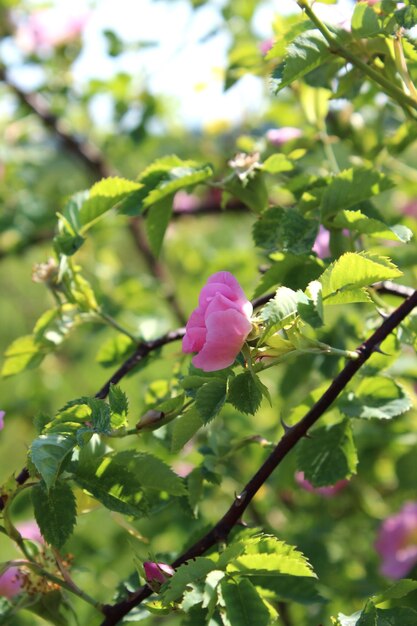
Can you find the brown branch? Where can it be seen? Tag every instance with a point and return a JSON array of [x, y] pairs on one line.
[[291, 437], [146, 347], [92, 159], [140, 353], [83, 151], [156, 268]]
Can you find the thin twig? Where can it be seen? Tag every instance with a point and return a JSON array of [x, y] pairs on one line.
[[140, 353], [93, 160], [114, 613]]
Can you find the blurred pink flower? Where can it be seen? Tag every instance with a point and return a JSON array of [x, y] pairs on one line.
[[157, 573], [326, 492], [322, 244], [410, 208], [2, 414], [10, 583], [218, 327], [182, 468], [48, 28], [397, 542], [30, 530], [279, 136], [266, 45], [184, 202]]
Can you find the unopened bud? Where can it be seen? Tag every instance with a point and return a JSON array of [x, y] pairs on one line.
[[157, 574]]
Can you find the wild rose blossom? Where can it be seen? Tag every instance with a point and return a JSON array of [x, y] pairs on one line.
[[397, 542], [2, 414], [218, 327], [280, 136], [326, 492]]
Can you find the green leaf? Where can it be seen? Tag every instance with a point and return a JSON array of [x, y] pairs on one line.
[[368, 616], [243, 604], [100, 415], [115, 350], [358, 222], [103, 196], [343, 281], [245, 393], [157, 221], [280, 311], [285, 230], [407, 16], [396, 591], [22, 354], [377, 397], [277, 163], [55, 512], [398, 616], [291, 270], [184, 428], [287, 588], [167, 175], [253, 192], [307, 52], [49, 453], [351, 187], [190, 572], [329, 455], [266, 555], [310, 305], [365, 21], [210, 399], [118, 400], [120, 480]]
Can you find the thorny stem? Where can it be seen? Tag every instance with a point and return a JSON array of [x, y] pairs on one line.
[[221, 530]]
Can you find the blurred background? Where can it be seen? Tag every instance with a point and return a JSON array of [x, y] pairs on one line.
[[90, 89]]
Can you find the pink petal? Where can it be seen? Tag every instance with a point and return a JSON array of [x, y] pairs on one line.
[[10, 583], [194, 340], [226, 334]]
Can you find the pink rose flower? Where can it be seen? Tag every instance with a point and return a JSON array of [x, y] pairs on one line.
[[397, 542], [10, 583], [2, 414], [326, 492], [157, 573], [279, 136], [218, 327]]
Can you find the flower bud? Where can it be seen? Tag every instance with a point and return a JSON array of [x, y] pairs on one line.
[[157, 574]]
